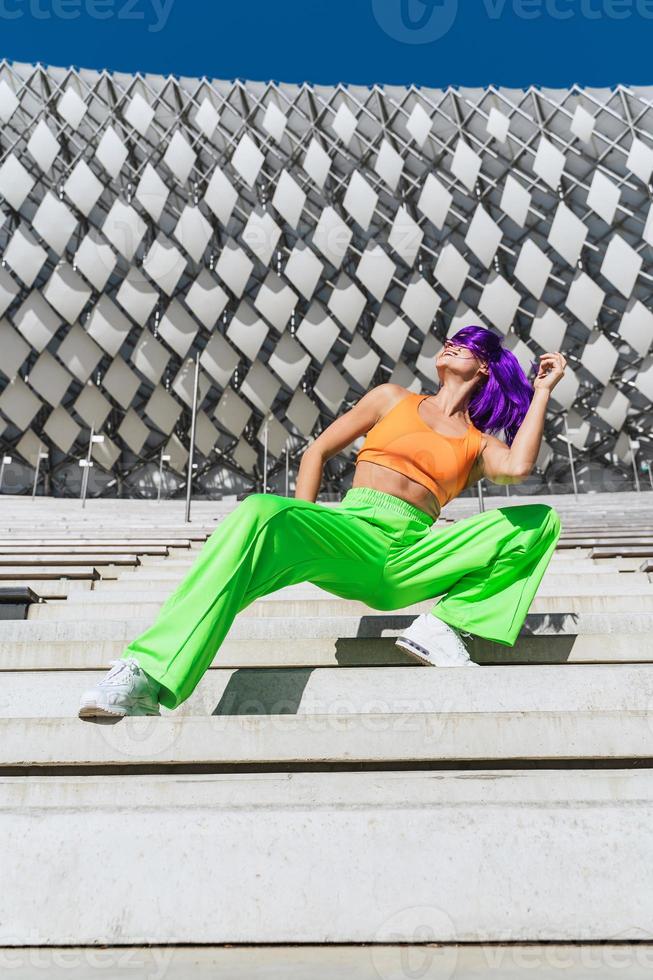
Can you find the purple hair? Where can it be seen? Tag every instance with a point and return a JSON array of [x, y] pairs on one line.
[[501, 402]]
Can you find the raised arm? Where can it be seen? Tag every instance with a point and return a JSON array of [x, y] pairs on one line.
[[513, 464], [340, 433]]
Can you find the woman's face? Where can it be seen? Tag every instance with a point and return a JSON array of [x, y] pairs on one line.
[[459, 360]]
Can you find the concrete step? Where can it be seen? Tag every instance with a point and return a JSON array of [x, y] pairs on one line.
[[579, 571], [52, 588], [267, 857], [72, 560], [605, 531], [607, 547], [375, 961], [328, 857], [595, 538], [371, 624], [270, 606], [146, 588], [563, 563], [287, 650], [175, 542], [275, 741], [152, 537], [284, 647], [44, 527], [53, 551], [643, 551], [32, 573], [582, 519], [359, 690]]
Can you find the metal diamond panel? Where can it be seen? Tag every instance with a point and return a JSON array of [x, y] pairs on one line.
[[308, 242]]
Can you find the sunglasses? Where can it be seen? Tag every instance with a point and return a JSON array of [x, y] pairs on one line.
[[449, 347]]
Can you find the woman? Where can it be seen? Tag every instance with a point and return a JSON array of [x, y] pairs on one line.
[[376, 545]]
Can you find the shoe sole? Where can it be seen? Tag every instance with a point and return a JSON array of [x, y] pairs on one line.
[[99, 711], [417, 652], [421, 655]]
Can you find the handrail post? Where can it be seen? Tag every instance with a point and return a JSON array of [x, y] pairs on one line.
[[189, 478]]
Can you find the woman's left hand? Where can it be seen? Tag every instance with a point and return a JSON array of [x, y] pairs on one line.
[[551, 369]]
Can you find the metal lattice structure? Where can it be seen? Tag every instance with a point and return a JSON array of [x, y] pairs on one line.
[[308, 242]]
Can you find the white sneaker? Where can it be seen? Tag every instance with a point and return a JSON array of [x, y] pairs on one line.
[[126, 690], [432, 641]]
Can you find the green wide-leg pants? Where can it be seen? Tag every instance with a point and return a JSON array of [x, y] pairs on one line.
[[372, 546]]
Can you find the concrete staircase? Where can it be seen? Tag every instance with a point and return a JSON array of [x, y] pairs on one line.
[[320, 787]]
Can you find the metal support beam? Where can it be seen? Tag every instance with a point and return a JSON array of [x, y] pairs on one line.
[[191, 448]]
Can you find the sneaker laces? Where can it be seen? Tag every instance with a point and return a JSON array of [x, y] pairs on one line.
[[121, 664], [458, 631], [460, 634]]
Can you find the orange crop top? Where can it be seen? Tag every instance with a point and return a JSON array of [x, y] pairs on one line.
[[403, 441]]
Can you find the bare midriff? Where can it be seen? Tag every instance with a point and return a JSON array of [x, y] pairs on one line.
[[368, 474]]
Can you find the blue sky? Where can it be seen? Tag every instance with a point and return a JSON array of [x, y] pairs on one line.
[[426, 42]]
